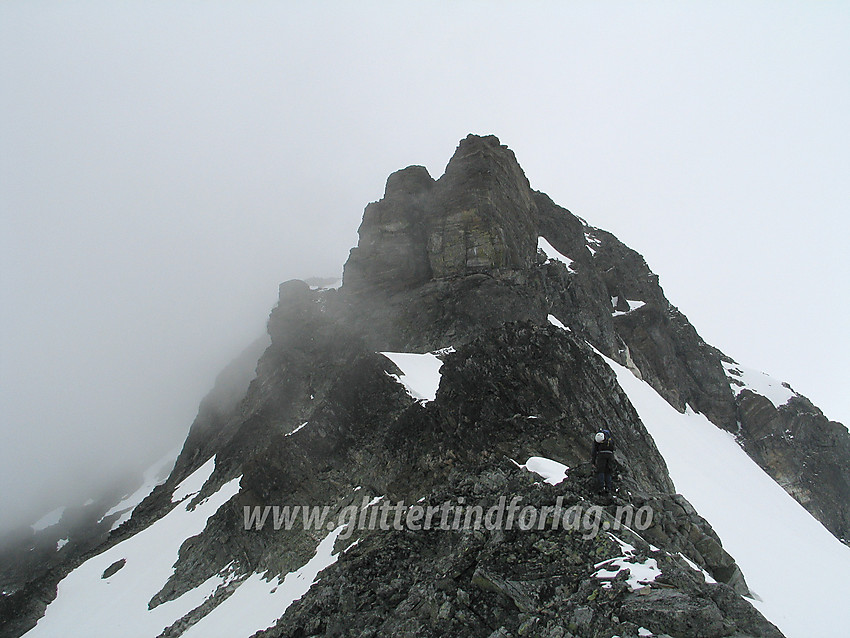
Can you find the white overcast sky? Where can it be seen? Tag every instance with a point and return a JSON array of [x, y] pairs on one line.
[[164, 165]]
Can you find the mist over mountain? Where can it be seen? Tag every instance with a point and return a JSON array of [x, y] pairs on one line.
[[165, 167], [481, 336]]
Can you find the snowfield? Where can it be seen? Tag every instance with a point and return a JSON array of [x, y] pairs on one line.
[[790, 561], [89, 605], [257, 603]]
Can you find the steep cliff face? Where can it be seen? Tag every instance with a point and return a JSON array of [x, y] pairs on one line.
[[479, 217], [806, 453], [465, 275], [611, 297]]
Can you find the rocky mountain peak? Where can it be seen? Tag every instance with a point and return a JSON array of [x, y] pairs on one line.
[[462, 352], [407, 183], [479, 217]]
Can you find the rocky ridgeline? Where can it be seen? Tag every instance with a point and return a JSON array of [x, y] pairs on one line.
[[502, 583], [454, 264], [438, 261], [512, 392]]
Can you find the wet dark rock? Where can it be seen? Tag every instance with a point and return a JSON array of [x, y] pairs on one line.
[[455, 296]]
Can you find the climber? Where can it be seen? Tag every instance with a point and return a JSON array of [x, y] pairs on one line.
[[603, 459]]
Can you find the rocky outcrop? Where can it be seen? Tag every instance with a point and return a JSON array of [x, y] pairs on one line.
[[653, 337], [513, 392], [392, 253], [479, 217], [516, 392]]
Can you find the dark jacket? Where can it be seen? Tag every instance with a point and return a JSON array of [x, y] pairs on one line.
[[605, 448]]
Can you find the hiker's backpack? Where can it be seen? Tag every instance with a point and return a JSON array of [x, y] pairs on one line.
[[605, 444]]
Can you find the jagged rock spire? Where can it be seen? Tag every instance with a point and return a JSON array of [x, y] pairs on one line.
[[479, 217]]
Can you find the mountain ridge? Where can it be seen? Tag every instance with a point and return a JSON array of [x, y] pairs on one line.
[[456, 266]]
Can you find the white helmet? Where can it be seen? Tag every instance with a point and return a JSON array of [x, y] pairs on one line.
[[600, 436]]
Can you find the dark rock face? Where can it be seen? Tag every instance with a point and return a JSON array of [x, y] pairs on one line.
[[655, 338], [804, 452], [393, 236], [479, 217], [512, 392], [553, 391], [657, 342], [515, 391], [488, 219]]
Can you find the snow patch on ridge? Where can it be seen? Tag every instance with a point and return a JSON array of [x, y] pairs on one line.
[[324, 283], [297, 429], [641, 573], [696, 567], [551, 471], [634, 304], [557, 323], [420, 373], [591, 242], [554, 255], [741, 378]]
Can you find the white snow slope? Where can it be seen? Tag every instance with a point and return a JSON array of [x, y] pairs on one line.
[[798, 569], [257, 603], [89, 605], [742, 378]]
